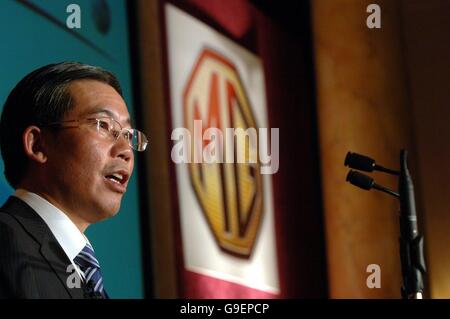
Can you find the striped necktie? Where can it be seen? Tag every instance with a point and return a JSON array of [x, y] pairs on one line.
[[90, 267]]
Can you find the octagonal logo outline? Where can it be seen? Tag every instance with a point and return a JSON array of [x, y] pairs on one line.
[[258, 201]]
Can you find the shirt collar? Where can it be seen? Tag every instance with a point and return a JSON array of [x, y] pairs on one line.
[[66, 233]]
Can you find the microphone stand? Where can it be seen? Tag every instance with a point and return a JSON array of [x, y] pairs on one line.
[[411, 243]]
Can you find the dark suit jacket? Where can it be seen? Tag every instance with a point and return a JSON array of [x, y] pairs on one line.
[[32, 263]]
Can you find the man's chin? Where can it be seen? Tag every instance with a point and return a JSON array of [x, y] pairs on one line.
[[106, 212]]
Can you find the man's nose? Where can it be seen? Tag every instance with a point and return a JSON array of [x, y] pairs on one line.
[[122, 149]]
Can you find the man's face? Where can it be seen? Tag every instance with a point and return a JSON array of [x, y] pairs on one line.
[[82, 162]]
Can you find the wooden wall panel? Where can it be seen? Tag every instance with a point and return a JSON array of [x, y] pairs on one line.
[[362, 107]]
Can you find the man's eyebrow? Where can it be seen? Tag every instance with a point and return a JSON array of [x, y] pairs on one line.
[[109, 113]]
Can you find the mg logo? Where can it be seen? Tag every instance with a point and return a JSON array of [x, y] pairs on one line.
[[230, 194]]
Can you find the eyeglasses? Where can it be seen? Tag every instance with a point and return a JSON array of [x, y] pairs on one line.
[[109, 127]]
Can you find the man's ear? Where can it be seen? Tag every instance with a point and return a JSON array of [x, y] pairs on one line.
[[33, 144]]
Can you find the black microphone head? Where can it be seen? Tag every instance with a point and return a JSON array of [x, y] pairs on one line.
[[358, 161], [359, 179]]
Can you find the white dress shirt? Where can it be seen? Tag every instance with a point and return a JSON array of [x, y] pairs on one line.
[[66, 233]]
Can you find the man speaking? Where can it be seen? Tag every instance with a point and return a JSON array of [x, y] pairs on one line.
[[67, 145]]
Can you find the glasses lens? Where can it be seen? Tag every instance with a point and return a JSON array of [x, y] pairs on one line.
[[104, 126], [138, 140]]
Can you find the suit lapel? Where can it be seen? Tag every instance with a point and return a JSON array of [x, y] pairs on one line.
[[50, 250], [60, 263]]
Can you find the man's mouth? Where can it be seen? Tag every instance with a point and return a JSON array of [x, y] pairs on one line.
[[118, 180]]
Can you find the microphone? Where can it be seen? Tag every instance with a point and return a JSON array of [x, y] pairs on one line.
[[366, 182], [365, 163], [411, 243]]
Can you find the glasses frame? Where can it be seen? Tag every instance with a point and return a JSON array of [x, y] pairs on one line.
[[113, 133]]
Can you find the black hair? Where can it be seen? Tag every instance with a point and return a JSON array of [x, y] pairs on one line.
[[40, 98]]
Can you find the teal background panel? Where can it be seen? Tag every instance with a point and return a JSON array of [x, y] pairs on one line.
[[34, 34]]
